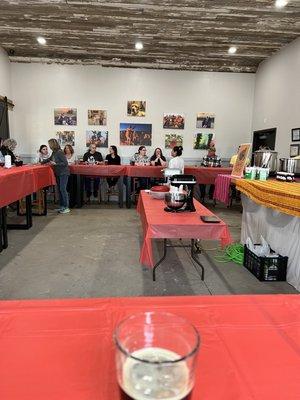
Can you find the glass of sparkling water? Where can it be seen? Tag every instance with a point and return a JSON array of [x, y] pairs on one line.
[[156, 356]]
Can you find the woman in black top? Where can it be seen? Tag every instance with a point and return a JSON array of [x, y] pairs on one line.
[[112, 159], [158, 159]]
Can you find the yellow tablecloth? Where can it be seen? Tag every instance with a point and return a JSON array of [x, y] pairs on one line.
[[281, 196]]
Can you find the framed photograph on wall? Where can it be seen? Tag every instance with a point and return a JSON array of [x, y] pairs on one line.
[[97, 117], [172, 140], [136, 108], [65, 116], [135, 134], [202, 141], [65, 137], [294, 150], [173, 121], [99, 138], [205, 120], [296, 135]]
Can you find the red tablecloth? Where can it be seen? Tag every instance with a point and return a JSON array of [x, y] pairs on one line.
[[147, 171], [206, 175], [159, 224], [222, 188], [98, 170], [63, 349], [18, 182]]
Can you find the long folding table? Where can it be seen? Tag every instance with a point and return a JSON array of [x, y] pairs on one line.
[[103, 171], [17, 183], [63, 349], [159, 224]]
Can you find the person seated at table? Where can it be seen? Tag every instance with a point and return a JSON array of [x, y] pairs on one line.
[[177, 161], [141, 159], [8, 148], [43, 153], [92, 157], [210, 160], [112, 159], [69, 153], [158, 159]]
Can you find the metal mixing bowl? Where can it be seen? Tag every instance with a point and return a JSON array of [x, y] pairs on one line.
[[175, 200]]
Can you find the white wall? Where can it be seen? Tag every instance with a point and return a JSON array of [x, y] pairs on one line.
[[4, 74], [277, 95], [39, 88]]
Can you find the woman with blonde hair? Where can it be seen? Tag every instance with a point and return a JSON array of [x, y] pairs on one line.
[[62, 172]]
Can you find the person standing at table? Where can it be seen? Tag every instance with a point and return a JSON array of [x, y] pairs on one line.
[[177, 162], [92, 157], [69, 153], [210, 160], [62, 173], [112, 159]]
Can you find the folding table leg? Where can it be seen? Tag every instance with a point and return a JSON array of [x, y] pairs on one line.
[[120, 187], [128, 191], [79, 190], [160, 261], [28, 216], [3, 228], [194, 251]]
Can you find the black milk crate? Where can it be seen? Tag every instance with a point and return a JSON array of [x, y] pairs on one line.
[[269, 269]]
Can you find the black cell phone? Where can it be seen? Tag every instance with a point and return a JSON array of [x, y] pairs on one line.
[[209, 219]]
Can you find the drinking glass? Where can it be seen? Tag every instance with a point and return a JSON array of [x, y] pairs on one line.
[[156, 356]]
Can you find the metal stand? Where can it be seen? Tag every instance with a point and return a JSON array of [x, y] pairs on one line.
[[28, 216], [195, 249]]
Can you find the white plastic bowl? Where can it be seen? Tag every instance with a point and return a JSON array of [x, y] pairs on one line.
[[158, 195]]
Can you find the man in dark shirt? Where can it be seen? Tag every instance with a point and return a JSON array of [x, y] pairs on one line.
[[210, 160], [92, 157]]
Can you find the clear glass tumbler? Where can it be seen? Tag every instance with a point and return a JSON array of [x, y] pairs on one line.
[[156, 356]]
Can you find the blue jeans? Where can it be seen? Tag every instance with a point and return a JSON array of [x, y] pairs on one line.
[[62, 182], [88, 186]]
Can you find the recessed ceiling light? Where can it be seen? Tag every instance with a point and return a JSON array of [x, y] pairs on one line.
[[232, 50], [41, 40], [139, 46], [281, 3]]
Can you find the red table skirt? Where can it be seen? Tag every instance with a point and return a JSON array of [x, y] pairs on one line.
[[159, 224], [63, 349], [205, 175], [98, 170], [18, 182]]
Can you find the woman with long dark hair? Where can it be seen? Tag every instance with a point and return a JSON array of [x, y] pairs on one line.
[[158, 158], [112, 159], [62, 172]]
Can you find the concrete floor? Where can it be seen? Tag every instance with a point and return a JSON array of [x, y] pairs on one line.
[[94, 252]]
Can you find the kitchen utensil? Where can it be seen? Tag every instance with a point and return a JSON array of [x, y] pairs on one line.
[[175, 200], [266, 158], [289, 165]]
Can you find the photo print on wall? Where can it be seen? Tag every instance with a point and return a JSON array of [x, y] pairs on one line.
[[172, 140], [99, 138], [65, 137], [205, 120], [97, 117], [173, 121], [136, 108], [65, 116], [135, 134], [202, 141]]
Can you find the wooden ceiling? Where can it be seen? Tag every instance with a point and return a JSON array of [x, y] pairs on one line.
[[177, 34]]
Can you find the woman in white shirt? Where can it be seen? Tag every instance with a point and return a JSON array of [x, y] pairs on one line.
[[177, 161], [69, 153]]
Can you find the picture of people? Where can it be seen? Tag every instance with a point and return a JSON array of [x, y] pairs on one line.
[[241, 161], [172, 140], [99, 138], [66, 137], [135, 134], [136, 108], [202, 141], [205, 120], [97, 117], [65, 116], [173, 121]]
